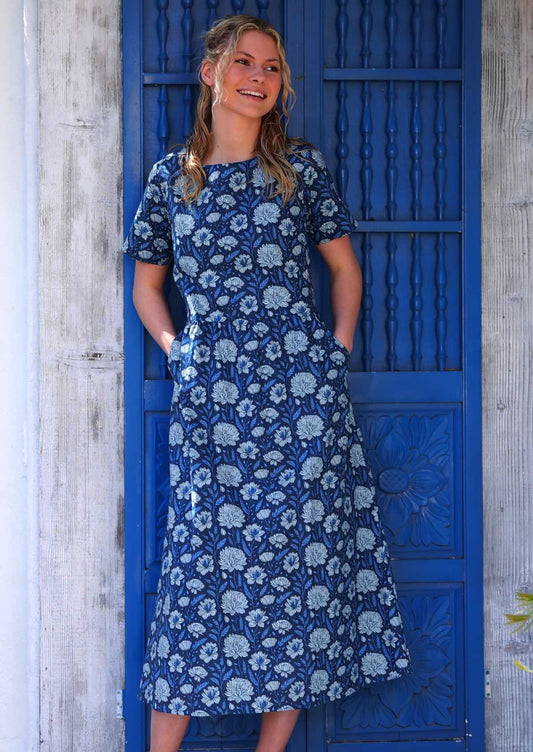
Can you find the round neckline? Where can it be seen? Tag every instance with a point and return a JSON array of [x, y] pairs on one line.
[[227, 164]]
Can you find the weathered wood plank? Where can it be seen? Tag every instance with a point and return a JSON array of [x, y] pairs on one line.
[[82, 583], [507, 323]]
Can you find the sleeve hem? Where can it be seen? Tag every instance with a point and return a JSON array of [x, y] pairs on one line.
[[340, 233], [135, 255]]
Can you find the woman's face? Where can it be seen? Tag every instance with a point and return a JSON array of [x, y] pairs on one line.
[[256, 69]]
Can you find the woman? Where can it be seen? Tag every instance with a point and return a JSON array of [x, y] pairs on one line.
[[275, 591]]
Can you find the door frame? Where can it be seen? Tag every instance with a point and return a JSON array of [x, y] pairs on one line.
[[470, 386]]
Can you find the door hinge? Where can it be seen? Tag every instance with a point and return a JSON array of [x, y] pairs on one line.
[[119, 703], [487, 683]]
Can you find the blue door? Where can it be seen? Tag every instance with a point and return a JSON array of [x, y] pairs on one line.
[[389, 90]]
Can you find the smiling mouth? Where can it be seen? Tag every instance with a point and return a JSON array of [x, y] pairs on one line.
[[251, 94]]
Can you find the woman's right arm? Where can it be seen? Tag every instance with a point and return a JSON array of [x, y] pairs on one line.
[[151, 304]]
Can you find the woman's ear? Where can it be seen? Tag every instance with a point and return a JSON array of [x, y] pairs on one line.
[[207, 73]]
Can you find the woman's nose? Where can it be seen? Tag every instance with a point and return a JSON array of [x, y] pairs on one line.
[[257, 74]]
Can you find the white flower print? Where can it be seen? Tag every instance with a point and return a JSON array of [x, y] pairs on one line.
[[229, 475], [276, 297], [319, 681], [315, 554], [211, 696], [188, 265], [231, 559], [226, 201], [227, 242], [230, 515], [237, 181], [239, 690], [363, 497], [143, 230], [162, 690], [369, 622], [303, 383], [234, 602], [319, 639], [259, 661], [328, 207], [367, 580], [313, 511], [255, 576], [266, 213], [183, 225], [262, 704], [317, 597], [269, 255], [209, 652], [374, 664], [309, 427], [365, 539], [207, 608], [239, 222], [275, 590], [236, 646]]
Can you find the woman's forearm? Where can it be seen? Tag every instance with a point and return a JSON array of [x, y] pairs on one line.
[[152, 307], [346, 293]]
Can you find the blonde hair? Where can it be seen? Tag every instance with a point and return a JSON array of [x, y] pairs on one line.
[[272, 143]]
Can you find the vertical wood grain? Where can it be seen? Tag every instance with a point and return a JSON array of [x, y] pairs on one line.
[[507, 326], [82, 587]]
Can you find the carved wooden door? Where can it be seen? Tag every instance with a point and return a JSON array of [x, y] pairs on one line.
[[389, 90]]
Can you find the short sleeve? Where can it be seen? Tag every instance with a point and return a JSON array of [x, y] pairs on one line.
[[150, 236], [327, 216]]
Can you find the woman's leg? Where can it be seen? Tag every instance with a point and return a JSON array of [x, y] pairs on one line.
[[166, 731], [276, 729]]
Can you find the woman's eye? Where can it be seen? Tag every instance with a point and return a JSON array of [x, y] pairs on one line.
[[272, 68]]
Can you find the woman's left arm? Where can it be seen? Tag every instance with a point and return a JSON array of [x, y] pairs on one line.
[[346, 287]]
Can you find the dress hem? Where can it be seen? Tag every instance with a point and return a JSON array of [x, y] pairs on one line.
[[250, 710]]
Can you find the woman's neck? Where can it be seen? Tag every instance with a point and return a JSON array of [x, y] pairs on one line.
[[232, 139]]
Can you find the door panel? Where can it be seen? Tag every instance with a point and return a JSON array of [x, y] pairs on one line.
[[389, 91]]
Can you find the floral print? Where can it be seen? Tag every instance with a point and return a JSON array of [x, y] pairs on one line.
[[275, 590]]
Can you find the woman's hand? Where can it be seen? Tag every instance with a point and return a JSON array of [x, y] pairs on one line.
[[150, 302]]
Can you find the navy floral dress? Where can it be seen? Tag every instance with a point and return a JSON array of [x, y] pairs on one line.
[[275, 589]]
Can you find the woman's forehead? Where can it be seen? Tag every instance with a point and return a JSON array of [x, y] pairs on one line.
[[257, 43]]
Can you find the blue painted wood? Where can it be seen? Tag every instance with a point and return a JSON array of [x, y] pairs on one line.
[[471, 344], [390, 92], [335, 74], [188, 98], [342, 113], [417, 301], [367, 301], [404, 387], [421, 746], [133, 385]]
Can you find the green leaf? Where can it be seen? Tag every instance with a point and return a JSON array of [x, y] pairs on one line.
[[520, 665]]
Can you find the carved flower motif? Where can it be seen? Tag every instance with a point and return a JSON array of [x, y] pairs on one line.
[[424, 698], [411, 460]]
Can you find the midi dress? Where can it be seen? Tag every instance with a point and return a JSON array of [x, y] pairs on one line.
[[275, 589]]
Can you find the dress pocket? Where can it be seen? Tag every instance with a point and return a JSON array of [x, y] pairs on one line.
[[335, 343], [174, 355], [341, 346]]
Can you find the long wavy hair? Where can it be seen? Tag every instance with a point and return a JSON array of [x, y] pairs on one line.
[[220, 44]]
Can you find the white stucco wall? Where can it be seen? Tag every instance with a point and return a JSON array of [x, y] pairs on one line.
[[19, 368]]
